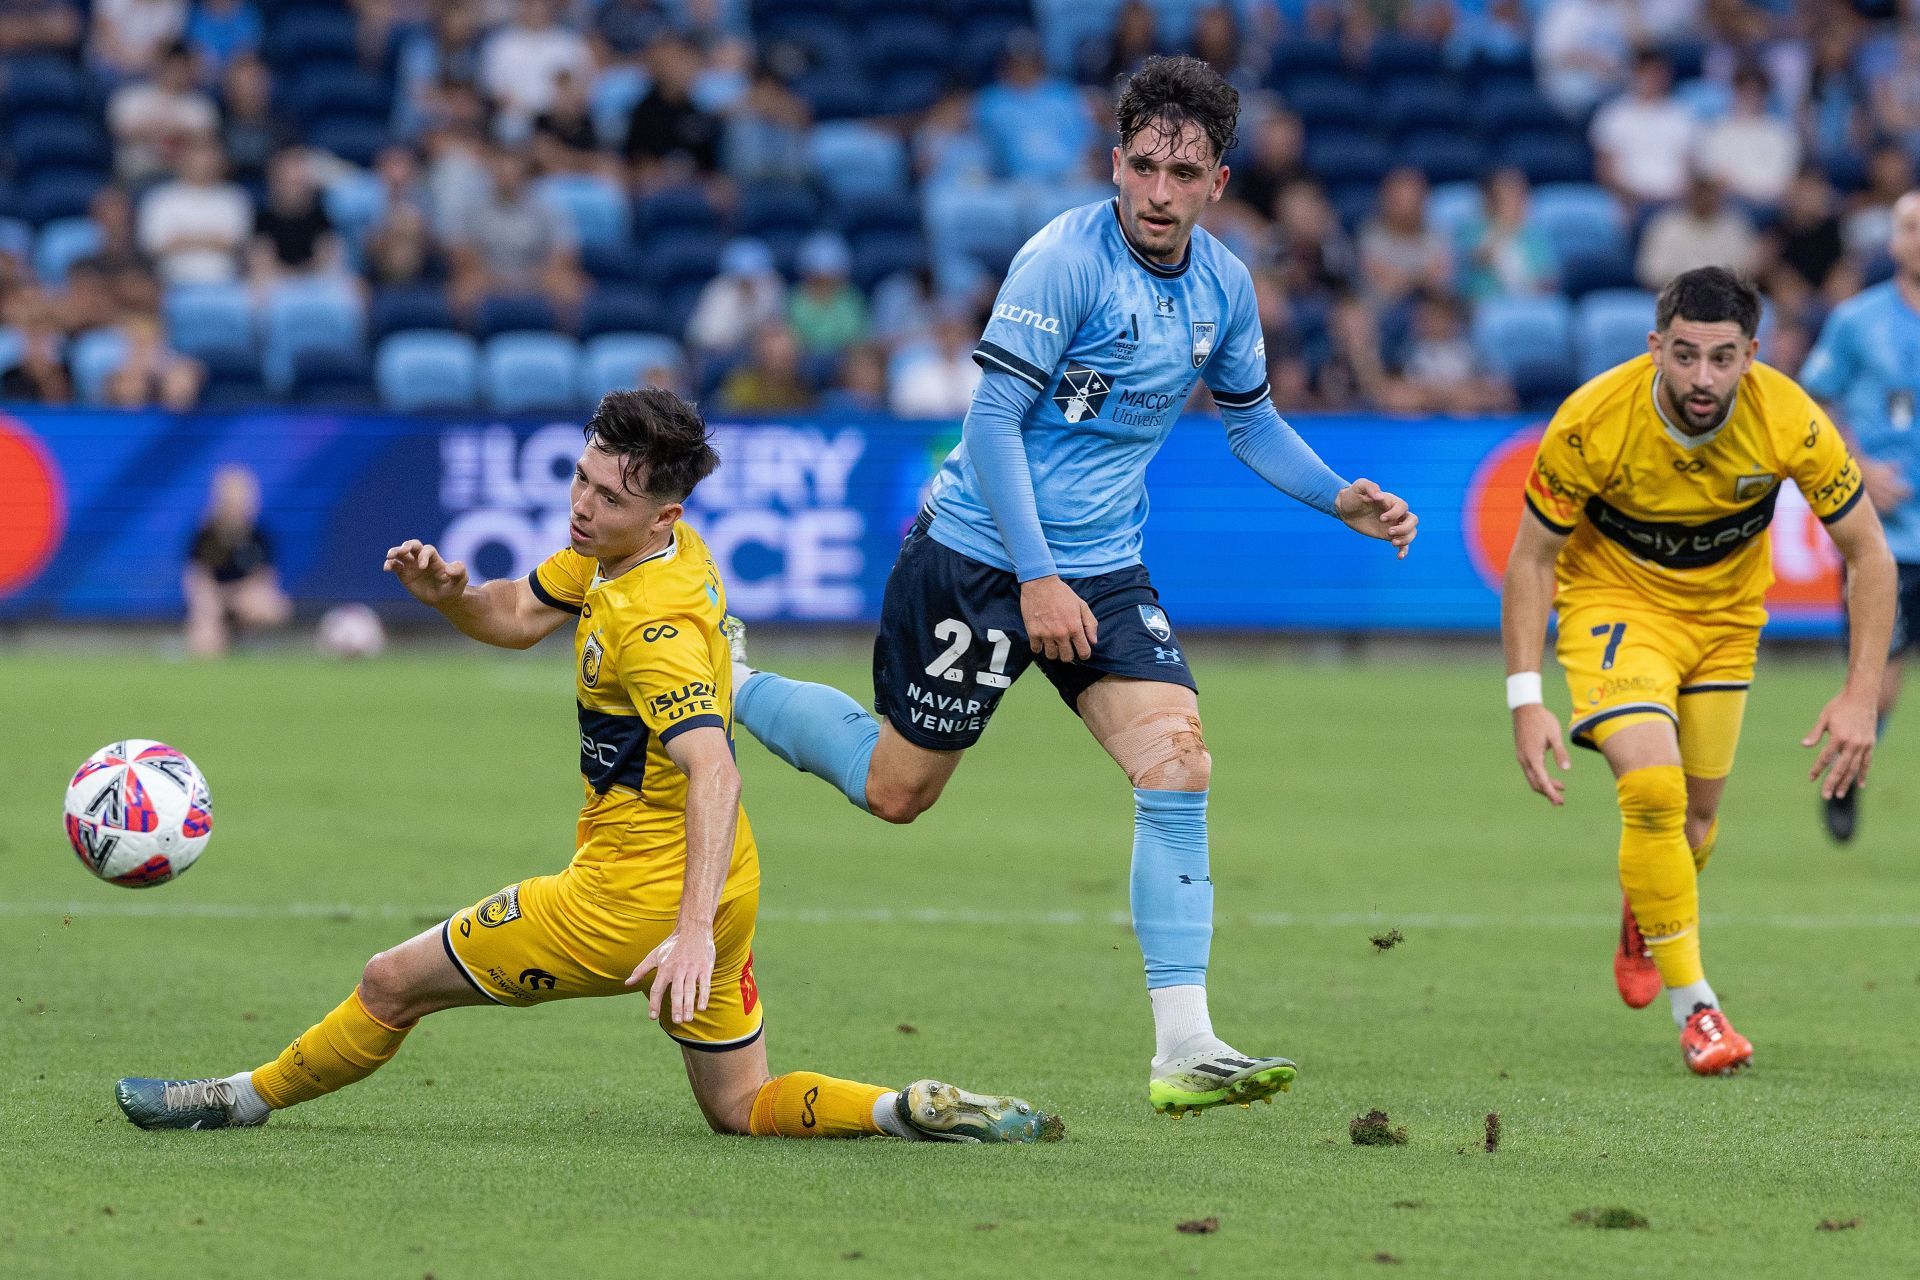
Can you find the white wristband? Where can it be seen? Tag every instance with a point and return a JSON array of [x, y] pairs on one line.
[[1523, 690]]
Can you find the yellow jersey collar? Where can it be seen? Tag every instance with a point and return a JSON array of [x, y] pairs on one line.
[[667, 552], [1680, 437]]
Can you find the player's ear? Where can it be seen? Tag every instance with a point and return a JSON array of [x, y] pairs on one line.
[[1219, 184], [667, 516], [1116, 166]]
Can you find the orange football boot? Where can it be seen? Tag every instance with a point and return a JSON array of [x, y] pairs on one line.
[[1633, 969], [1711, 1046]]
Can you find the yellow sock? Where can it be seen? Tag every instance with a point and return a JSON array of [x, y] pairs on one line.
[[346, 1046], [1657, 870], [1705, 851], [803, 1104]]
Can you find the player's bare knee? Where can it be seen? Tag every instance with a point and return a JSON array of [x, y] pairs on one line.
[[898, 805], [384, 989], [1163, 751]]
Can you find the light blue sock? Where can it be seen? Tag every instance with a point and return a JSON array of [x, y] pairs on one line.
[[813, 727], [1171, 891]]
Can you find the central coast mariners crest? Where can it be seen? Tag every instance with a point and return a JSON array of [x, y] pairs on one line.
[[1081, 392], [1155, 620], [1203, 331], [1752, 486], [590, 659], [502, 907]]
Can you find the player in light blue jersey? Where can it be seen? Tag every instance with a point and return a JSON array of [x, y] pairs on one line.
[[1029, 548], [1866, 371]]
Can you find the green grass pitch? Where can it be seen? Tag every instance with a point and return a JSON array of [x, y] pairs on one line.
[[357, 804]]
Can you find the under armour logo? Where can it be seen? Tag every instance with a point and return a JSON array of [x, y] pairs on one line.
[[1168, 656], [1162, 305]]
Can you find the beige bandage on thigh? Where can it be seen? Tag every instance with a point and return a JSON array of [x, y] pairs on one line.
[[1161, 739]]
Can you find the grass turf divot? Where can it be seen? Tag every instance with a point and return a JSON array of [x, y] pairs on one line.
[[1840, 1224], [1375, 1130], [1387, 941], [1493, 1132], [1198, 1226], [1611, 1218]]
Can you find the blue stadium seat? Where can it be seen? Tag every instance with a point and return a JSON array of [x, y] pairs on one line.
[[1415, 105], [308, 315], [354, 139], [53, 143], [979, 223], [16, 238], [887, 211], [1332, 102], [206, 320], [338, 91], [822, 41], [1395, 56], [595, 209], [354, 202], [1353, 202], [11, 347], [854, 158], [529, 372], [617, 361], [977, 55], [423, 369], [93, 357], [684, 208], [618, 308], [1506, 107], [684, 257], [60, 244], [1445, 157], [1453, 207], [615, 263], [908, 91], [509, 312], [894, 40], [333, 379], [398, 308], [1579, 217], [836, 95], [1610, 327], [40, 84], [1294, 58], [1584, 271], [1547, 157], [879, 254], [58, 194], [769, 206], [1342, 158], [312, 37], [233, 385], [1529, 337]]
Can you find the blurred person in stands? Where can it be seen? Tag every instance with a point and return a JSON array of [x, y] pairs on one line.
[[1834, 115], [511, 242], [456, 160], [860, 382], [1400, 252], [1441, 372], [152, 120], [1643, 140], [230, 581], [1135, 37], [1497, 31], [39, 26], [40, 374], [153, 373], [623, 29], [1216, 41], [221, 30], [444, 53], [521, 64], [564, 140], [1702, 231], [400, 245], [670, 137], [250, 132], [770, 380], [1753, 152], [826, 312], [1350, 371], [765, 137], [1037, 128], [1895, 91], [948, 148], [1581, 50], [935, 376], [128, 37], [1804, 248], [746, 295], [293, 236], [1505, 255], [1316, 256], [1275, 159], [196, 225], [1869, 222]]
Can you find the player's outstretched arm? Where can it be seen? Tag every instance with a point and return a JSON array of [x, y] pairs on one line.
[[1847, 722], [683, 963], [503, 613], [1526, 598], [1365, 507]]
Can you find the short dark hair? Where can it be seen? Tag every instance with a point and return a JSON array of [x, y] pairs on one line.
[[1707, 295], [660, 439], [1166, 93]]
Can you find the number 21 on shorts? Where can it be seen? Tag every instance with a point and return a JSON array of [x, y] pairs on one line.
[[958, 637], [1613, 631]]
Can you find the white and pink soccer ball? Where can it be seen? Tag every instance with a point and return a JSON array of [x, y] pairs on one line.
[[350, 631], [138, 813]]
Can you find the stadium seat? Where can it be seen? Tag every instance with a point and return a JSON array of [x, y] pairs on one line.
[[1332, 102], [782, 205], [886, 211], [354, 139], [879, 254], [1395, 56], [894, 40], [11, 347], [425, 369], [980, 223], [529, 372], [1445, 157], [1339, 157], [1529, 332], [308, 315], [41, 84], [594, 208], [1506, 107], [58, 194], [1453, 207], [510, 312], [60, 244], [836, 95], [311, 37], [618, 308], [615, 263], [1293, 58], [414, 306], [1578, 218], [204, 320], [332, 379], [59, 144], [1584, 271], [684, 208], [1610, 326], [339, 91], [93, 357], [977, 55], [1547, 157], [354, 202], [617, 361], [811, 40], [908, 91], [16, 238], [1417, 105], [853, 158], [684, 257]]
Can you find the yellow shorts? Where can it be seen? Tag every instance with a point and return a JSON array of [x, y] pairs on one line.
[[544, 939], [1626, 665]]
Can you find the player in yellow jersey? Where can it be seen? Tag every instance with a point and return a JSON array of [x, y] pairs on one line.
[[663, 886], [1650, 499]]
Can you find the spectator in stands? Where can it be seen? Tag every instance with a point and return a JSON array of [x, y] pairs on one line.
[[1895, 92], [39, 26], [111, 210], [1400, 253], [1442, 373], [1282, 327], [769, 381], [744, 298], [230, 582], [948, 148], [1350, 373], [827, 313], [1580, 51], [1643, 140], [151, 120], [564, 140], [1103, 60], [1805, 250], [1869, 221], [1496, 32], [129, 36], [1275, 158], [670, 137], [457, 169], [446, 54], [510, 242], [935, 376], [40, 375], [1216, 41], [1702, 231], [221, 30], [196, 225], [1505, 255], [1317, 258], [521, 65], [766, 132], [860, 385], [153, 373], [1753, 153], [624, 28], [1037, 128], [250, 131], [293, 236], [1834, 116]]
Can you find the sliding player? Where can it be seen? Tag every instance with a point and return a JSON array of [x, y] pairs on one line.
[[1650, 499], [1029, 547], [662, 891]]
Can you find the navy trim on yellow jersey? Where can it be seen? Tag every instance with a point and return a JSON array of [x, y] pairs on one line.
[[547, 597], [673, 731], [1242, 399], [725, 1046], [1673, 545], [1562, 529], [613, 750], [992, 353], [1846, 506], [1160, 269], [1716, 686], [446, 940], [1581, 731]]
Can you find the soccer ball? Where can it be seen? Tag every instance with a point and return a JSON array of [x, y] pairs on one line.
[[350, 631], [138, 813]]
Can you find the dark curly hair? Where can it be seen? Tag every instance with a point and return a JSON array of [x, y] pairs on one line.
[[1706, 295], [661, 440], [1165, 93]]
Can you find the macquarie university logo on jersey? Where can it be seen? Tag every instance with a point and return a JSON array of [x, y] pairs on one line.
[[1082, 392], [1203, 331]]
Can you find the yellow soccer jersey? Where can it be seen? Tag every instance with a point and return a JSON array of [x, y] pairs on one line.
[[1659, 517], [650, 663]]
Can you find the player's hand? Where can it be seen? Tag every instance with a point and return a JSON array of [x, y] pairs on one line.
[[1848, 726], [1059, 624], [1536, 731], [682, 964], [432, 581], [1886, 487], [1369, 509]]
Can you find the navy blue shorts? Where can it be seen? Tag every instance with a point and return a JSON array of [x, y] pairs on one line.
[[1906, 614], [952, 642]]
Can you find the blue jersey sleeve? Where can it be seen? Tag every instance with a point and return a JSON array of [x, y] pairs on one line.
[[991, 434], [1049, 292], [1834, 361], [1236, 370]]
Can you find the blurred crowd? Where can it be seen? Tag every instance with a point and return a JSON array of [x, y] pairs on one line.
[[812, 201]]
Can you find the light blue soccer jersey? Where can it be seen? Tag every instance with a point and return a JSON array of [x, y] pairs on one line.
[[1113, 342], [1867, 364]]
